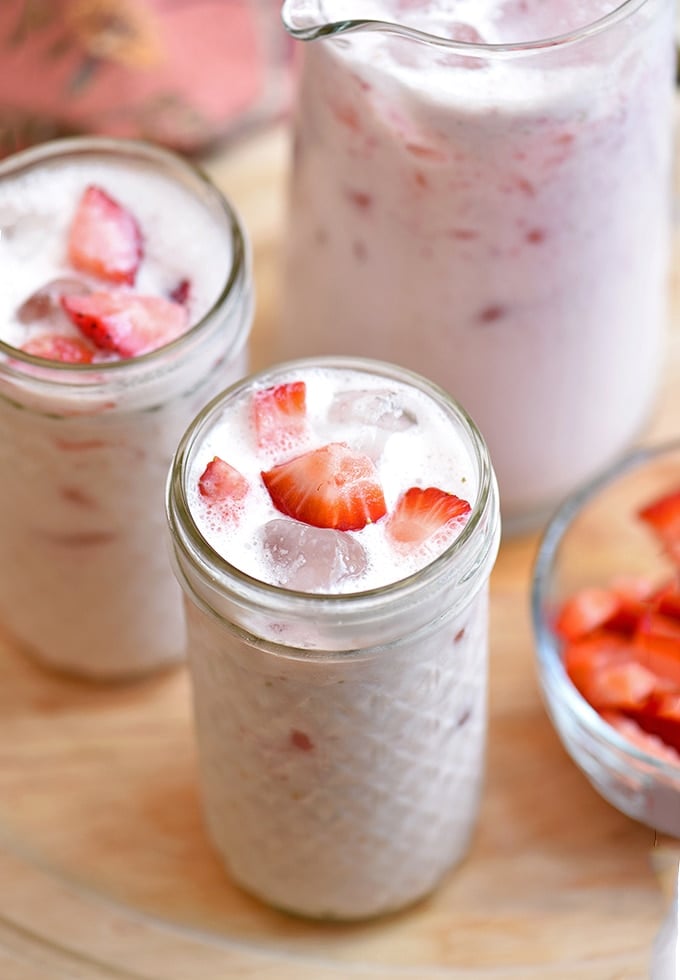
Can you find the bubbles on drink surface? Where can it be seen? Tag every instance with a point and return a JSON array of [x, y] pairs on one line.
[[319, 513]]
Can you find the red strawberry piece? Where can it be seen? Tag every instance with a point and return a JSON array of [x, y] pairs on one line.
[[57, 347], [105, 239], [126, 323], [280, 414], [641, 739], [667, 600], [421, 513], [222, 484], [660, 634], [328, 487], [585, 611], [663, 517], [660, 716], [609, 671], [180, 294]]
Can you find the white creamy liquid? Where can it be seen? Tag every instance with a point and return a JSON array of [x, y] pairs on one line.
[[428, 453]]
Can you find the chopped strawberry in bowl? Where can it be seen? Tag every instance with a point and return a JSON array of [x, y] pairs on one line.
[[606, 617]]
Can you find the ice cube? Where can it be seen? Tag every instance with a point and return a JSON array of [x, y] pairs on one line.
[[43, 304], [378, 407], [374, 415], [311, 559]]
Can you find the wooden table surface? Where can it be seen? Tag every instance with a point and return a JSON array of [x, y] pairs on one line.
[[105, 871]]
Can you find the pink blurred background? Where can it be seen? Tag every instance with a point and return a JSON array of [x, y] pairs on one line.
[[185, 73]]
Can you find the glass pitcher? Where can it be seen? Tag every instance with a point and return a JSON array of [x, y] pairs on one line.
[[481, 192]]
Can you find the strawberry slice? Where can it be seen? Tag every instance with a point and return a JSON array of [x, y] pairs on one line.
[[641, 739], [421, 513], [584, 611], [611, 676], [667, 600], [280, 414], [328, 487], [223, 485], [104, 238], [663, 517], [57, 347], [126, 323], [660, 716]]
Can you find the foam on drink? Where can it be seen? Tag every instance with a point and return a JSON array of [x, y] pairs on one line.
[[181, 238], [405, 432]]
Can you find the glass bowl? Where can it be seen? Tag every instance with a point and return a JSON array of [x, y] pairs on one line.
[[595, 538]]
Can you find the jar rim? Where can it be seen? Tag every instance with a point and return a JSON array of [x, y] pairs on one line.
[[61, 373], [467, 551], [515, 49]]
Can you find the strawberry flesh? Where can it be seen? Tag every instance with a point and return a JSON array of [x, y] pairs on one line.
[[125, 323], [328, 487], [223, 485], [585, 611], [663, 517], [421, 513], [622, 644], [642, 739], [280, 414], [105, 239], [181, 292], [57, 347]]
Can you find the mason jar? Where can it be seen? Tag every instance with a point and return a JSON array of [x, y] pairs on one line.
[[85, 582], [341, 737]]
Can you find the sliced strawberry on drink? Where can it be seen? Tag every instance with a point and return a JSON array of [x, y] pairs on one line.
[[105, 239], [57, 347], [421, 513], [663, 517], [223, 485], [126, 323], [328, 487], [280, 414]]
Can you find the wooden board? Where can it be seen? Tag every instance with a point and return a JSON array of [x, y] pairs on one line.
[[105, 870]]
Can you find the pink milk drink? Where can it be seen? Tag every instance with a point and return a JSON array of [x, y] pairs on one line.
[[481, 193], [125, 305], [334, 523]]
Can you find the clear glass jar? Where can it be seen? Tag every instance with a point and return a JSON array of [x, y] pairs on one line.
[[493, 215], [85, 582], [341, 737]]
